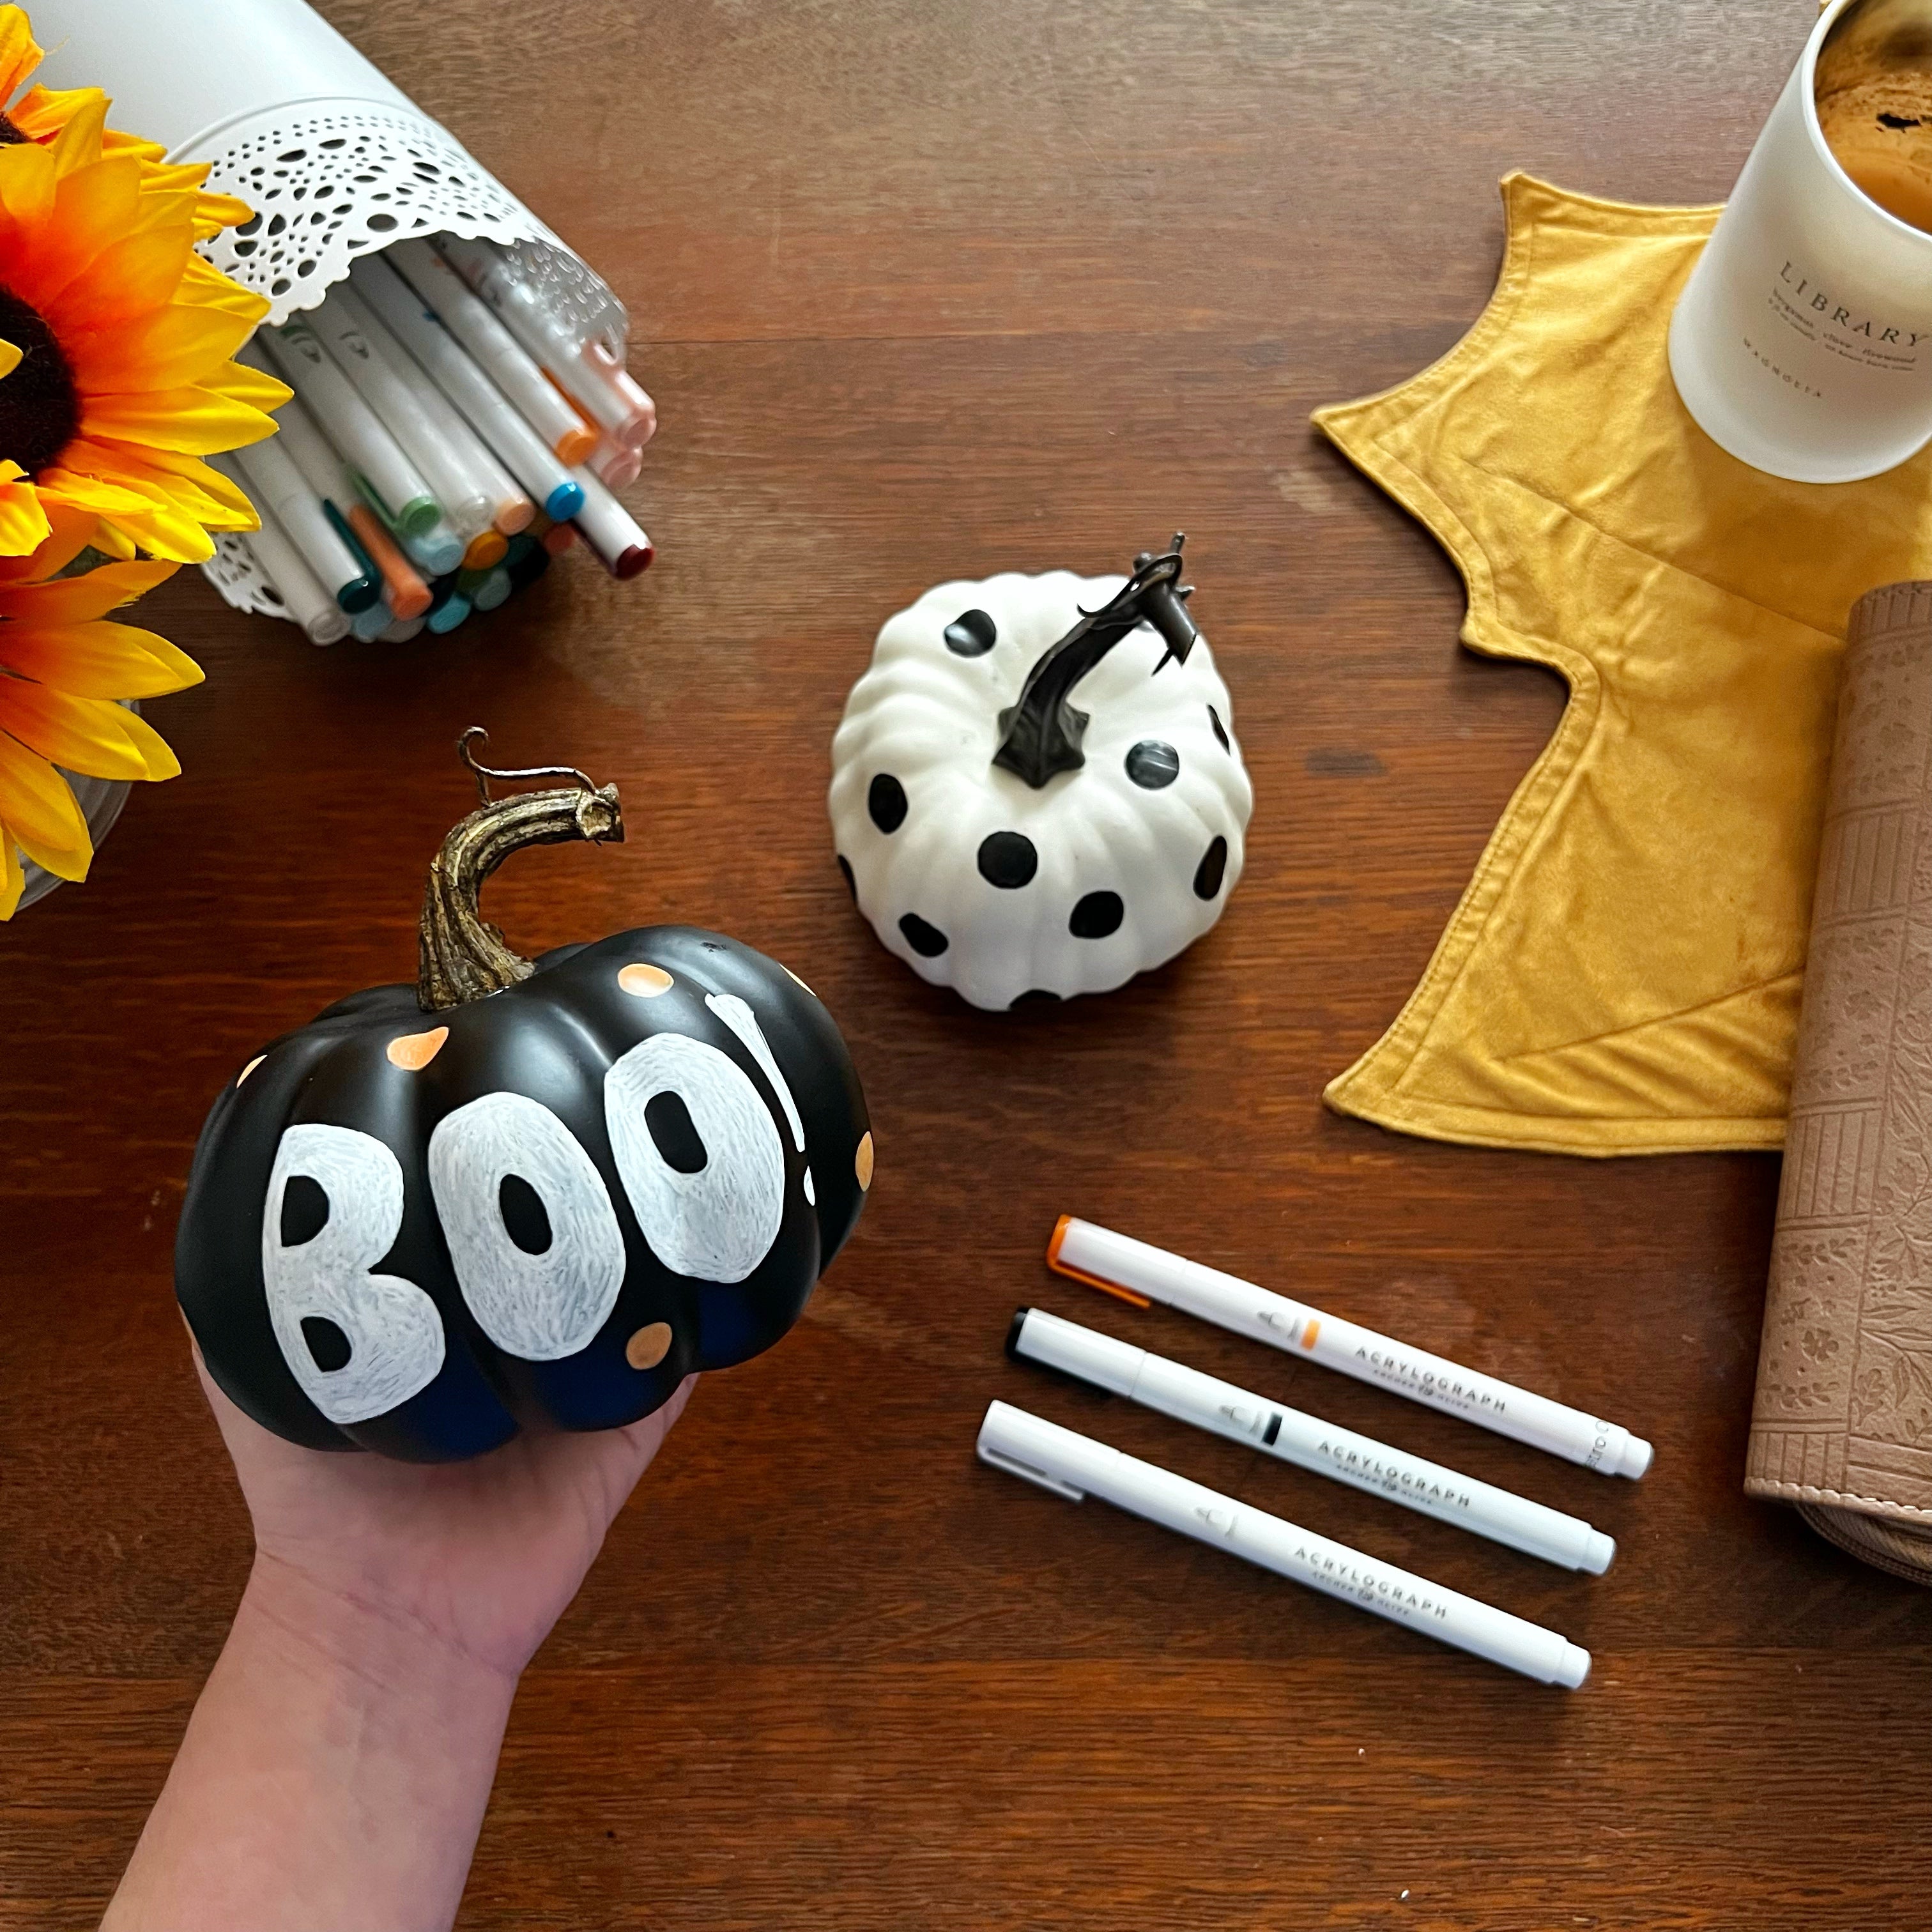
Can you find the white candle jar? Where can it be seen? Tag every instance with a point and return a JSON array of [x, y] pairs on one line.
[[1802, 343]]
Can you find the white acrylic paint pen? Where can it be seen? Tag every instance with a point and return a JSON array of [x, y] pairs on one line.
[[301, 590], [395, 484], [490, 413], [343, 328], [584, 368], [1140, 1273], [1075, 1466], [1223, 1409], [610, 529], [508, 364]]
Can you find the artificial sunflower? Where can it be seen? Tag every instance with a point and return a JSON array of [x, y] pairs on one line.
[[61, 667], [115, 336]]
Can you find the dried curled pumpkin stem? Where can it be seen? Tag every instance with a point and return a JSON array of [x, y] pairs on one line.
[[462, 956], [1040, 735]]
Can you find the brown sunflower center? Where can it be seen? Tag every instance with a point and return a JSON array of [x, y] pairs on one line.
[[40, 409], [10, 135]]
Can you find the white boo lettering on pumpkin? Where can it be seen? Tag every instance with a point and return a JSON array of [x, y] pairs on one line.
[[715, 1223]]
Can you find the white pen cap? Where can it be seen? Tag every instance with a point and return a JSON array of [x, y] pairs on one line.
[[1072, 1350]]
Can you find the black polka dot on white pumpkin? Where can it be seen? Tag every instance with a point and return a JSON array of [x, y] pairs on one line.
[[1212, 869], [927, 941], [1008, 860], [971, 634], [1097, 916], [886, 802], [1153, 765], [1220, 729], [851, 884]]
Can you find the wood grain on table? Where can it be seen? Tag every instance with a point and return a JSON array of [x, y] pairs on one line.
[[927, 290]]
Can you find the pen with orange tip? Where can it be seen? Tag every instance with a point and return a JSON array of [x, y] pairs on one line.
[[1141, 1274]]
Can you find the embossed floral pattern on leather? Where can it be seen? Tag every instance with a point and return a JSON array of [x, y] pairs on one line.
[[1843, 1424]]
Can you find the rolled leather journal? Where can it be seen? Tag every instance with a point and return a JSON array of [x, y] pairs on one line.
[[1842, 1425]]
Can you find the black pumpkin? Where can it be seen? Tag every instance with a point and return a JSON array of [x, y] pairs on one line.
[[518, 1193]]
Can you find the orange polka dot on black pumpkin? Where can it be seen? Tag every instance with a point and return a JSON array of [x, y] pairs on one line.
[[1212, 869], [1007, 859], [928, 941], [886, 800], [1098, 916], [1220, 729], [971, 634], [1153, 765]]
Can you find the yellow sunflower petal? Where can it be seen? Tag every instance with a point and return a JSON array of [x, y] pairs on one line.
[[128, 510], [182, 343], [41, 112], [13, 879], [37, 809], [10, 359], [23, 518], [19, 56], [92, 736], [241, 384], [68, 536], [165, 479], [79, 600], [113, 541], [205, 284], [118, 141], [64, 862], [78, 143], [96, 495], [129, 277], [98, 660], [190, 485], [28, 179], [213, 212], [193, 419], [94, 208]]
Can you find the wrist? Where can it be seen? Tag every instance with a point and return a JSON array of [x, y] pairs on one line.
[[355, 1634], [334, 1773]]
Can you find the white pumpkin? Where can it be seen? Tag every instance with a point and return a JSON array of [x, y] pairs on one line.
[[1109, 836]]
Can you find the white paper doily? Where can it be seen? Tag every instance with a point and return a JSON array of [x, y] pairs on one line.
[[332, 180], [233, 572]]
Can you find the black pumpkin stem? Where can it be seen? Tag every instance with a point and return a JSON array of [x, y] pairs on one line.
[[462, 956], [1039, 737]]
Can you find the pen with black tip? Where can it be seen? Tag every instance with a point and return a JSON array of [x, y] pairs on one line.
[[1275, 1429]]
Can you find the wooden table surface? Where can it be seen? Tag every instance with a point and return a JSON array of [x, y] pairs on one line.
[[928, 291]]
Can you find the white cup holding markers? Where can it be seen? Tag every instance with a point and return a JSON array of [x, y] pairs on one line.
[[1075, 1466], [448, 437]]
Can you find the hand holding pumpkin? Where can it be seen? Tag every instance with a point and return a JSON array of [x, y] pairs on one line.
[[480, 1557], [341, 1755]]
